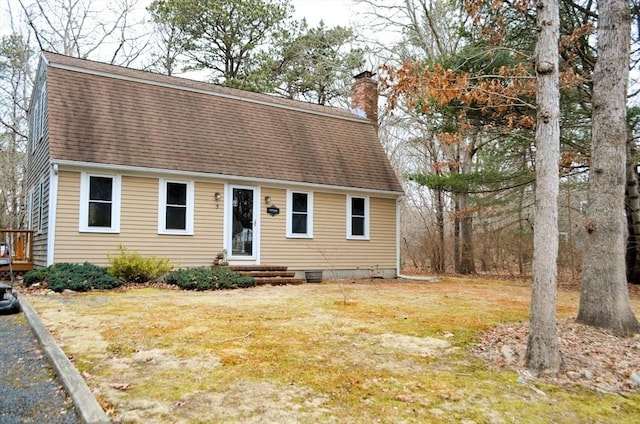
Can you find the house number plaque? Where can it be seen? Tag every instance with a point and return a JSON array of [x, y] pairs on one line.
[[273, 210]]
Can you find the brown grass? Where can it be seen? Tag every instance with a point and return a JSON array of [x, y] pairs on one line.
[[348, 352]]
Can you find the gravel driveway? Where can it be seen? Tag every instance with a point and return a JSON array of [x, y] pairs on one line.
[[29, 389]]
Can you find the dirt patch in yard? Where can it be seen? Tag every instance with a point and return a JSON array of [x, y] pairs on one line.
[[362, 351]]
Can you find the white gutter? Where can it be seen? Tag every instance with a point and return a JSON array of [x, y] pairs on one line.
[[73, 165]]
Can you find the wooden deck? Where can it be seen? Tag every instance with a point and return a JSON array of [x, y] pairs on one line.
[[20, 245]]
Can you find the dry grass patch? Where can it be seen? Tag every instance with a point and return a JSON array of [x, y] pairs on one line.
[[368, 351]]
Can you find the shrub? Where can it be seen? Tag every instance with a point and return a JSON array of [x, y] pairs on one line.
[[34, 276], [204, 278], [62, 276], [135, 268]]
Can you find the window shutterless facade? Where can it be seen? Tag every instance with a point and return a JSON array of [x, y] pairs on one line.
[[175, 209], [100, 203], [357, 218], [299, 214]]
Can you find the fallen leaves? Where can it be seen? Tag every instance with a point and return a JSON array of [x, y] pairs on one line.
[[591, 357]]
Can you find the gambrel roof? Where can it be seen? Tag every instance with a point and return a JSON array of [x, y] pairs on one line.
[[100, 113]]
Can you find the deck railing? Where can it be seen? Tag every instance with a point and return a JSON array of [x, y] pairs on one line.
[[20, 245]]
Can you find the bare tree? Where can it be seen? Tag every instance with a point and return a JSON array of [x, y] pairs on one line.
[[604, 297], [167, 45], [15, 89], [542, 346], [87, 29]]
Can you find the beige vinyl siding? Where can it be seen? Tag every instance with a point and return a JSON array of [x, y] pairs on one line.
[[138, 225], [329, 248]]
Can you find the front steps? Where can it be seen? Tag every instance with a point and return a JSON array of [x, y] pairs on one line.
[[274, 275]]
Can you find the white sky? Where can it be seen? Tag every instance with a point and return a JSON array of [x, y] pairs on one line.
[[332, 12]]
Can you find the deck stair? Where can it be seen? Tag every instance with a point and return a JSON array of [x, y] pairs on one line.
[[274, 275]]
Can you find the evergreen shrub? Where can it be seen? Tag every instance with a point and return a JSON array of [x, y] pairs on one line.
[[63, 276], [132, 267], [38, 275], [204, 278]]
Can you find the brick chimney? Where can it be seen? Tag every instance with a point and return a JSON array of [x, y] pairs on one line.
[[364, 97]]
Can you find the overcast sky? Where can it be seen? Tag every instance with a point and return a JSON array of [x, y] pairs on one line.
[[332, 12]]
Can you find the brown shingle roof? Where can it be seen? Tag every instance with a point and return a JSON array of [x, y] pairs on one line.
[[109, 114]]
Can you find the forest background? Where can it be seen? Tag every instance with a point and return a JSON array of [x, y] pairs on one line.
[[458, 111]]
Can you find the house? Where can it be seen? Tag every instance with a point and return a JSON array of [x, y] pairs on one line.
[[184, 169]]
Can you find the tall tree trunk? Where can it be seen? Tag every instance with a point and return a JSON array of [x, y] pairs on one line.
[[456, 232], [632, 207], [542, 345], [437, 262], [604, 296], [521, 245], [467, 264]]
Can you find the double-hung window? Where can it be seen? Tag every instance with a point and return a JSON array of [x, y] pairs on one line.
[[357, 217], [299, 214], [175, 208], [100, 203]]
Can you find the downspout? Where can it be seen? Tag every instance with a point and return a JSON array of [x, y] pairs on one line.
[[398, 259], [53, 203]]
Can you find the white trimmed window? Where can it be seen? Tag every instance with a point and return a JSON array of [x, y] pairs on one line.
[[37, 118], [357, 217], [299, 214], [100, 203], [175, 207]]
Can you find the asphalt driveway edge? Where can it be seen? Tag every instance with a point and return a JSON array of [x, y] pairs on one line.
[[87, 407]]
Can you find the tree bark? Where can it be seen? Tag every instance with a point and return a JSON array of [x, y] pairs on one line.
[[632, 206], [456, 233], [542, 346], [604, 296], [467, 263], [438, 263]]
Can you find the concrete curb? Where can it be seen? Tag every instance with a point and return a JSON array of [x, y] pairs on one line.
[[86, 405]]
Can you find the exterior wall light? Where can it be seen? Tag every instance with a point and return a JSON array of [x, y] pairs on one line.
[[267, 200], [217, 196]]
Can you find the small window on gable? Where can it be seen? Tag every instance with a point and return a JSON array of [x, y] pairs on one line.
[[175, 209], [299, 214], [33, 127], [357, 217], [37, 118], [40, 119], [100, 203]]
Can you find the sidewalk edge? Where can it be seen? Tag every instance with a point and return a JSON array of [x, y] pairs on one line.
[[87, 407]]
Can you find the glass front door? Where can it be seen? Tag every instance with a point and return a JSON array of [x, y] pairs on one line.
[[243, 222]]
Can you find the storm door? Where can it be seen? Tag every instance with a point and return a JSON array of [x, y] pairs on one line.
[[243, 217]]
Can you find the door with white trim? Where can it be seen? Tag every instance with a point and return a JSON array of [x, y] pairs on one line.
[[242, 224]]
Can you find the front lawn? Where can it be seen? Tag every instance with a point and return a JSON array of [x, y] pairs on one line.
[[366, 351]]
